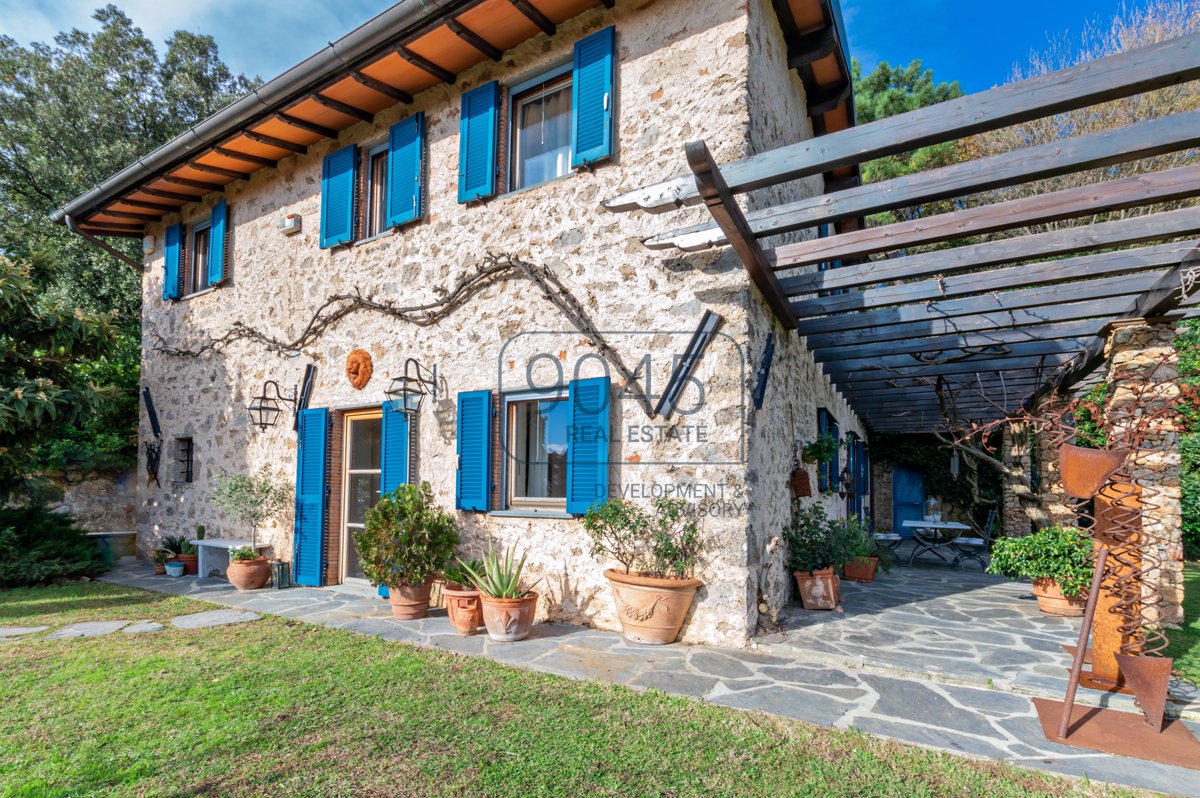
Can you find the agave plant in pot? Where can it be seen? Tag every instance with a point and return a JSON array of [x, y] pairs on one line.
[[405, 540], [816, 547], [462, 597], [508, 606], [1057, 559], [654, 589]]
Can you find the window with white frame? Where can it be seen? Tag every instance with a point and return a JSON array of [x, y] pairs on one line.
[[537, 429], [200, 251], [540, 135], [377, 177]]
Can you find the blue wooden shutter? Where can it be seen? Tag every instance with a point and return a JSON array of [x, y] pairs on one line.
[[587, 444], [394, 459], [172, 254], [216, 243], [406, 154], [835, 465], [474, 450], [592, 98], [339, 177], [478, 133], [312, 457]]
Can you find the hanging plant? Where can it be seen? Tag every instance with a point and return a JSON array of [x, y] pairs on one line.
[[822, 450]]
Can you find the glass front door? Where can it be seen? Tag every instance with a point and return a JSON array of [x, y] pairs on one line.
[[360, 480]]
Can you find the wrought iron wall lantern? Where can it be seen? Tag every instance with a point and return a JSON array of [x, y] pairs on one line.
[[265, 409], [406, 392], [846, 483]]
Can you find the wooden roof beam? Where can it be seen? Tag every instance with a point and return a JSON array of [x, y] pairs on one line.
[[114, 226], [474, 39], [344, 108], [1025, 374], [272, 141], [536, 17], [304, 124], [386, 89], [811, 47], [847, 379], [729, 216], [145, 217], [219, 170], [245, 156], [1165, 63], [154, 206], [174, 195], [187, 181], [441, 73], [1084, 329], [970, 355], [826, 99], [847, 200]]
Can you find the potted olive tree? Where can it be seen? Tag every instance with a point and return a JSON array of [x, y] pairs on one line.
[[405, 541], [1057, 559], [817, 547], [654, 588], [251, 500], [509, 606]]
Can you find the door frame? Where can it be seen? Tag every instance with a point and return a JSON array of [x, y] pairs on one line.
[[348, 417]]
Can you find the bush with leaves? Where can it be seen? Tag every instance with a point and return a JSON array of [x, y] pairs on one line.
[[38, 546], [815, 541], [662, 544], [1061, 553], [253, 499], [406, 537]]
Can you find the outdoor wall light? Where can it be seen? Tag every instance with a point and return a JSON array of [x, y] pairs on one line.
[[406, 392], [846, 478], [265, 409]]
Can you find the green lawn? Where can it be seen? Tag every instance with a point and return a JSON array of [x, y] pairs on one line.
[[279, 707], [1185, 642]]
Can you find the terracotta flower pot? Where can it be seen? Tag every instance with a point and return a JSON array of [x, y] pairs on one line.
[[508, 620], [861, 569], [464, 608], [1051, 600], [410, 603], [191, 563], [1084, 471], [160, 568], [249, 574], [818, 589], [651, 610]]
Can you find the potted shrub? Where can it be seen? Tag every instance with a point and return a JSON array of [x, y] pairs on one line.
[[654, 588], [462, 597], [405, 541], [816, 548], [253, 499], [1057, 559], [160, 557], [182, 551], [174, 568], [248, 570], [508, 606], [866, 555], [821, 450]]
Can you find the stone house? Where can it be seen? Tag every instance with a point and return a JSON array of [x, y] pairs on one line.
[[422, 198]]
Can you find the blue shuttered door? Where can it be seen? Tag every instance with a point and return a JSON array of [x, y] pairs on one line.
[[394, 458], [473, 490], [587, 444], [478, 133], [908, 498], [216, 242], [308, 544], [339, 174], [592, 98], [172, 253], [406, 152]]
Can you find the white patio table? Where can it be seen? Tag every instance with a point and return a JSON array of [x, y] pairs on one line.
[[934, 535], [211, 545]]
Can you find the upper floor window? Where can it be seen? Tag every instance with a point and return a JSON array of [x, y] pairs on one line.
[[200, 249], [541, 131], [198, 257], [377, 177]]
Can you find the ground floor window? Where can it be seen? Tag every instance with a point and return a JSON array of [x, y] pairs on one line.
[[536, 449]]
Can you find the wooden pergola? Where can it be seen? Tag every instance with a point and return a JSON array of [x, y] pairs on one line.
[[994, 324]]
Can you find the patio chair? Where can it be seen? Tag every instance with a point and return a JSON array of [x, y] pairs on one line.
[[975, 548]]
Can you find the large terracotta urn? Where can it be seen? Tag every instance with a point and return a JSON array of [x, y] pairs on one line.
[[509, 620], [464, 607], [1051, 600], [651, 610], [410, 603], [249, 574]]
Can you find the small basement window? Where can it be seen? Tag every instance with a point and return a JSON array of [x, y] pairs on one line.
[[541, 130], [536, 464], [184, 460]]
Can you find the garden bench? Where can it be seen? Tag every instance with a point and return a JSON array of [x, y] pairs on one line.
[[208, 546]]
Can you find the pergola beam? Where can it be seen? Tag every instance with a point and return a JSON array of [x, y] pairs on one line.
[[849, 379], [978, 355], [949, 344]]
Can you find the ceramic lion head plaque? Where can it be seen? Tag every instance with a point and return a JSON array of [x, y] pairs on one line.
[[359, 368]]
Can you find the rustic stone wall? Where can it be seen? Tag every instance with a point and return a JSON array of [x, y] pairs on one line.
[[1016, 455], [881, 494], [670, 89], [102, 501], [1142, 383]]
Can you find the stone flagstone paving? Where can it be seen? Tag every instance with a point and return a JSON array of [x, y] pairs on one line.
[[910, 659]]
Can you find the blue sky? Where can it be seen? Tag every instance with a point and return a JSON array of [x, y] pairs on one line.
[[973, 42]]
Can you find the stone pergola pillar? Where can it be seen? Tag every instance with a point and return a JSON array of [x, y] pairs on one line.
[[1142, 372], [1053, 495], [1015, 521]]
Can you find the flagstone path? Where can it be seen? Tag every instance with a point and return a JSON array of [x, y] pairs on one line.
[[918, 657]]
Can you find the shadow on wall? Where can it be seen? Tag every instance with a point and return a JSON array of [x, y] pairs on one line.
[[101, 501]]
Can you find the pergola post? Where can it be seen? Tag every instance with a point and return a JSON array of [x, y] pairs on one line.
[[1142, 372], [1016, 522], [1054, 496]]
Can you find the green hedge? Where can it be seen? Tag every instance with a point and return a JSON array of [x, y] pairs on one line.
[[38, 546]]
